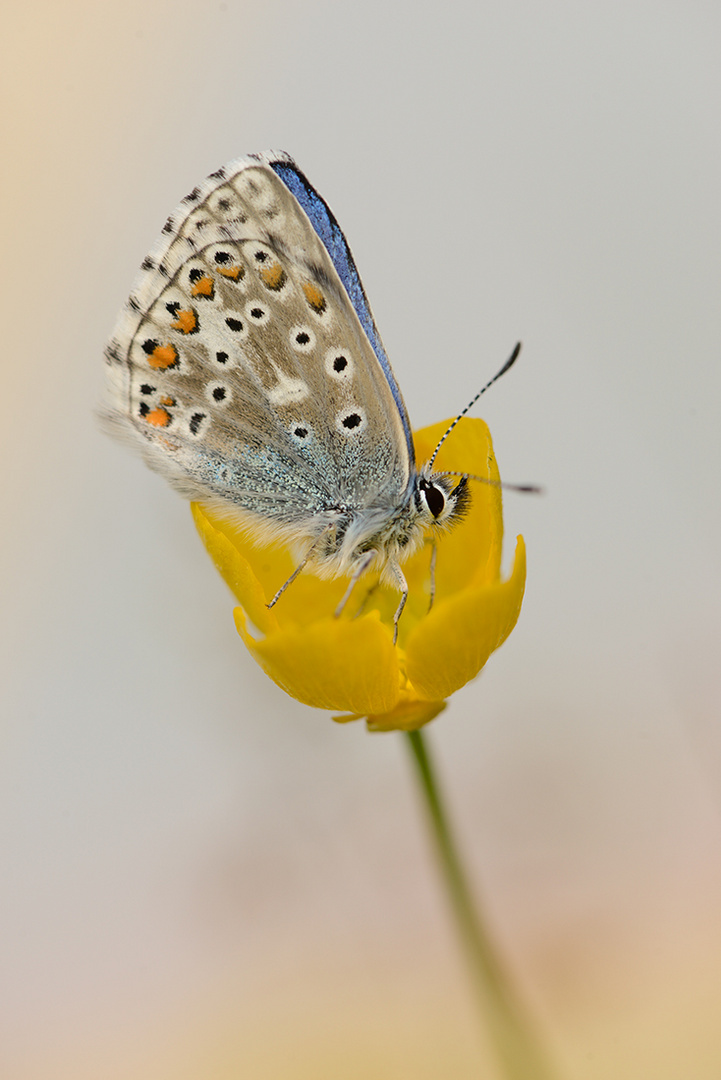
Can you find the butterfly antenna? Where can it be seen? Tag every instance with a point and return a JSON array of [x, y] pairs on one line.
[[526, 489], [509, 363]]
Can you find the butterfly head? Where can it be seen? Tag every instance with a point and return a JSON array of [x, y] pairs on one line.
[[439, 499]]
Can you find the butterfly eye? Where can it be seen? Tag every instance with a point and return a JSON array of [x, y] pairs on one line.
[[434, 498]]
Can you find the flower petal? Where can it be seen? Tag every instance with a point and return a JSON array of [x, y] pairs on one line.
[[407, 716], [234, 568], [471, 550], [256, 571], [449, 648], [331, 664], [350, 664]]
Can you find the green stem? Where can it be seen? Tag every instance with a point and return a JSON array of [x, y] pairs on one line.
[[518, 1050]]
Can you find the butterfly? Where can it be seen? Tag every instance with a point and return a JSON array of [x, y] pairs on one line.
[[248, 370]]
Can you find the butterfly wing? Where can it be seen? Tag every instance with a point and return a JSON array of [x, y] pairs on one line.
[[330, 232], [241, 367]]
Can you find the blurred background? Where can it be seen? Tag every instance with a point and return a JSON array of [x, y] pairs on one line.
[[202, 877]]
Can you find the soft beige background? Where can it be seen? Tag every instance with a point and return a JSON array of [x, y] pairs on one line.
[[202, 878]]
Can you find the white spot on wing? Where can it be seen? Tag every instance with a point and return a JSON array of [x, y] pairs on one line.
[[288, 392], [257, 313], [351, 421], [253, 186], [197, 421], [218, 394], [302, 338], [339, 364]]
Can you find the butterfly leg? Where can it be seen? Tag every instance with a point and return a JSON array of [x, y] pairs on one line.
[[364, 602], [403, 586], [290, 581], [434, 556], [362, 567], [297, 570]]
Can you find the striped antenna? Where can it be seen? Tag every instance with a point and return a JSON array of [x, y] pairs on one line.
[[509, 363], [527, 489]]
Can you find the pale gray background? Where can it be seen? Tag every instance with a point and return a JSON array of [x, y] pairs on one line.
[[204, 878]]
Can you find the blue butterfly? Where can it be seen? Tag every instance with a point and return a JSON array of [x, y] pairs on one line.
[[248, 370]]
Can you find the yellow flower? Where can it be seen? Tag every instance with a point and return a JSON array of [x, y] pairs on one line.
[[350, 664]]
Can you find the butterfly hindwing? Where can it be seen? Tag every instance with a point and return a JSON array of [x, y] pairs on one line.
[[243, 369]]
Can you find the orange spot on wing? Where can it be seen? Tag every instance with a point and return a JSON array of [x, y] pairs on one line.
[[235, 273], [169, 401], [163, 356], [203, 287], [158, 417], [186, 322], [314, 297], [273, 276]]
